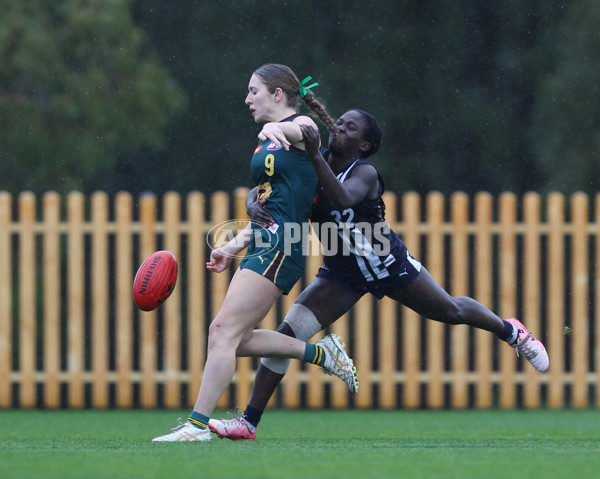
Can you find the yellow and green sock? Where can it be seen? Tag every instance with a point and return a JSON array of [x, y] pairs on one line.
[[198, 420], [314, 354]]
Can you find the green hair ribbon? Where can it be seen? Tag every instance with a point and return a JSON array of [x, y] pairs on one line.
[[305, 89]]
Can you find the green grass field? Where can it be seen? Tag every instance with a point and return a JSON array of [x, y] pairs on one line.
[[306, 444]]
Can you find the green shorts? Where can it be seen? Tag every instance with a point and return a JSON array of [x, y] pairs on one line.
[[273, 265]]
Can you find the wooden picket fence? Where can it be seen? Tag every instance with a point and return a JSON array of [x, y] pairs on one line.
[[70, 335]]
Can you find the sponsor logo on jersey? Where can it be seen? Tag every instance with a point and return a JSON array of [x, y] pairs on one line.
[[389, 260], [274, 146]]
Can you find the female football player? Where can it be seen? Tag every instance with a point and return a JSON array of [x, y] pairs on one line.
[[349, 195], [272, 264]]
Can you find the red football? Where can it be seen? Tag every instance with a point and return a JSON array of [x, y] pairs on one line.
[[155, 280]]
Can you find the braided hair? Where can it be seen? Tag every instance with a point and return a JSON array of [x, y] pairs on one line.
[[274, 75]]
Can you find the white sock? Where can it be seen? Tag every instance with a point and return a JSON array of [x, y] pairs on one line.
[[515, 335]]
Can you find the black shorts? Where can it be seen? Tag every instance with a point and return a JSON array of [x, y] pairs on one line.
[[401, 277]]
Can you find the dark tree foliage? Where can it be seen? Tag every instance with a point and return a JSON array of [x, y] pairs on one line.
[[77, 88], [471, 95]]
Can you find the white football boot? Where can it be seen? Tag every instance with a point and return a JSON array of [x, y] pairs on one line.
[[186, 431], [530, 348], [337, 361]]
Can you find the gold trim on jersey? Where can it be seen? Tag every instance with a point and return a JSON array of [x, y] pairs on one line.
[[264, 191]]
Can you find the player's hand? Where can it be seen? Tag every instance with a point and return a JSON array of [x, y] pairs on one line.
[[312, 139], [271, 131], [257, 213], [219, 261]]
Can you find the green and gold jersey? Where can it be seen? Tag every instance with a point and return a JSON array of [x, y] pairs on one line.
[[287, 180]]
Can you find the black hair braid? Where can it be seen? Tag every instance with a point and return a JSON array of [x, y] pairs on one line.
[[320, 111]]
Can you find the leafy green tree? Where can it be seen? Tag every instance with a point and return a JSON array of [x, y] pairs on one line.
[[466, 92], [78, 85]]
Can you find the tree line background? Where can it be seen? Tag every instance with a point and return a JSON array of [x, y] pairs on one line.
[[148, 95]]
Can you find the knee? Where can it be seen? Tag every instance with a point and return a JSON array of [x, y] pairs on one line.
[[219, 334], [457, 313], [462, 310], [214, 334], [301, 322], [284, 328]]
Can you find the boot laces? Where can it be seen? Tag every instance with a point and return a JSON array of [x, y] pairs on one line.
[[181, 424], [524, 348]]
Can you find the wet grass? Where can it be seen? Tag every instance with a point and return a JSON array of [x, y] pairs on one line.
[[301, 444]]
